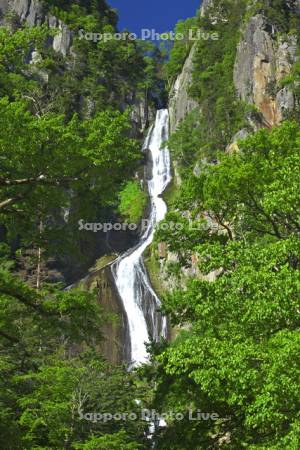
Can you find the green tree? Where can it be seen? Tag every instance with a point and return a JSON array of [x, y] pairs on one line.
[[43, 157], [63, 401], [132, 202], [182, 45], [239, 357]]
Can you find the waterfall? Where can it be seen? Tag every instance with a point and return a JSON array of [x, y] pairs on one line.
[[140, 302]]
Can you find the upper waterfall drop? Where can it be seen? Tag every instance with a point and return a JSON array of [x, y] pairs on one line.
[[139, 299]]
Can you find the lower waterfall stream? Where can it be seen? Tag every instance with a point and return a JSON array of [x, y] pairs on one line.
[[139, 300]]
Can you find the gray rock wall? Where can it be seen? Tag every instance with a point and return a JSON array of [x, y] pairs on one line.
[[205, 5], [33, 13], [142, 115], [263, 59], [115, 332], [180, 103]]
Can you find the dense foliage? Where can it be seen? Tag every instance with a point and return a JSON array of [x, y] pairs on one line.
[[181, 45], [66, 150], [236, 313], [132, 202], [240, 357], [75, 112]]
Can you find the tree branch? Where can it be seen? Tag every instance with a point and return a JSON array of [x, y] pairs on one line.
[[224, 225], [11, 201], [13, 292], [42, 179], [267, 216]]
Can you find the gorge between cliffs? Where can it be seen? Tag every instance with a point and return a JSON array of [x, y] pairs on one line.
[[131, 279], [149, 225]]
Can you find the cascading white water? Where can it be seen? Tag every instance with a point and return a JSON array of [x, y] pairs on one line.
[[139, 299]]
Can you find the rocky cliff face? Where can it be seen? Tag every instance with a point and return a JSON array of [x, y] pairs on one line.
[[30, 11], [263, 58], [115, 330], [262, 61], [142, 115], [205, 5], [33, 12], [180, 103]]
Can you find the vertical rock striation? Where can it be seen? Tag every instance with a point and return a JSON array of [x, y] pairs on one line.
[[263, 59], [34, 13], [180, 103], [115, 331]]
